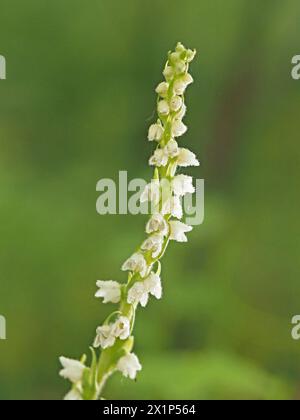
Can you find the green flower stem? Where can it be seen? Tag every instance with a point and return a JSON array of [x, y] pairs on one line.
[[110, 357], [88, 382]]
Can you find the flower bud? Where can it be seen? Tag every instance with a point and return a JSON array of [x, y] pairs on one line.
[[190, 55], [180, 67], [180, 48], [178, 128], [162, 89], [178, 231], [172, 148], [168, 73], [175, 57], [176, 103], [181, 113], [187, 158], [156, 132], [159, 158], [129, 365], [163, 107], [182, 83]]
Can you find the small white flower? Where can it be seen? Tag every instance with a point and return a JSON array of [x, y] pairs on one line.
[[182, 83], [73, 395], [104, 337], [162, 89], [153, 285], [151, 192], [176, 103], [129, 365], [72, 369], [157, 224], [180, 115], [154, 244], [180, 47], [156, 132], [110, 291], [190, 54], [138, 294], [160, 158], [168, 73], [163, 107], [121, 328], [137, 264], [180, 67], [183, 184], [178, 128], [178, 231], [187, 79], [172, 148], [173, 207], [187, 158], [175, 57]]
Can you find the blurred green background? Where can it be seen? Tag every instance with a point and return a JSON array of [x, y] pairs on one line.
[[75, 108]]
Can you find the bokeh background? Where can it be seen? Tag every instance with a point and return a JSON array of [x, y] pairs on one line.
[[75, 108]]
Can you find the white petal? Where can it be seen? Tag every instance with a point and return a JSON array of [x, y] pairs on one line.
[[160, 158], [157, 224], [138, 294], [72, 369], [181, 113], [163, 108], [178, 230], [182, 83], [172, 148], [162, 89], [104, 337], [151, 192], [176, 103], [144, 300], [178, 128], [136, 263], [183, 184], [191, 55], [121, 328], [110, 291], [129, 365], [154, 244], [187, 158], [73, 395], [153, 285], [173, 207], [156, 132], [168, 73]]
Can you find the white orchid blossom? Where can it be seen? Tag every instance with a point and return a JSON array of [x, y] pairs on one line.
[[157, 224], [106, 335], [183, 184], [155, 132], [72, 369], [178, 231], [140, 291], [109, 290], [136, 263], [187, 158], [129, 365], [154, 244]]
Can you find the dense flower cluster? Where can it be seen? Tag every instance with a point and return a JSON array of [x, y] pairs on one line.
[[165, 194]]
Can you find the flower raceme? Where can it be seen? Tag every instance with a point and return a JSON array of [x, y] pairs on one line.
[[165, 192]]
